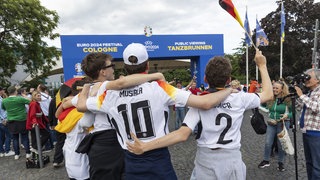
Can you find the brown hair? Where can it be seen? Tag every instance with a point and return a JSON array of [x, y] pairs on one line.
[[218, 71], [93, 63], [133, 69]]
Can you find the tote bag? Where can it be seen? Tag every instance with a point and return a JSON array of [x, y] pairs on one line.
[[285, 141]]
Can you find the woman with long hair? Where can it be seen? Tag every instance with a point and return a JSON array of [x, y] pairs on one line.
[[36, 117], [279, 112]]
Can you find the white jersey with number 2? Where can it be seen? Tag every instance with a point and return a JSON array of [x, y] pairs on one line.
[[221, 124]]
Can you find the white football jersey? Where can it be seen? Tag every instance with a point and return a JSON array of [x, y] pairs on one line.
[[221, 124], [142, 110], [99, 120]]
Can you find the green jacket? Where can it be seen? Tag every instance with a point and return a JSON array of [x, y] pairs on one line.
[[276, 111], [15, 107]]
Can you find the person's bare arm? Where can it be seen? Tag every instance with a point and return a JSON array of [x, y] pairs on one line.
[[66, 103], [139, 147], [267, 92], [82, 99], [133, 80], [209, 100]]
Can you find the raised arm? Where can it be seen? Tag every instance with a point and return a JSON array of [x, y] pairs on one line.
[[139, 147], [267, 92]]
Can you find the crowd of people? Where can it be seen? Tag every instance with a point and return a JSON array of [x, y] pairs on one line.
[[118, 129], [20, 112]]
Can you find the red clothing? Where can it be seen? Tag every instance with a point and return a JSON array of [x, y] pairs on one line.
[[195, 91], [253, 86], [34, 109]]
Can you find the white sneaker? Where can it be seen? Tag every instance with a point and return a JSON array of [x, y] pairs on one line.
[[34, 150], [10, 153], [16, 157], [1, 154], [28, 155]]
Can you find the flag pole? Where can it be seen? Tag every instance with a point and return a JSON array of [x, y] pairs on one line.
[[250, 38], [281, 49], [247, 66], [257, 72], [281, 37]]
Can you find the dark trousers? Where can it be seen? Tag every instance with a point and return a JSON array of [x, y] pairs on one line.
[[58, 153], [44, 136], [154, 165], [106, 157]]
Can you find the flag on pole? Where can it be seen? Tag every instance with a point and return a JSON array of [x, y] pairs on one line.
[[229, 7], [261, 37], [247, 29], [283, 22]]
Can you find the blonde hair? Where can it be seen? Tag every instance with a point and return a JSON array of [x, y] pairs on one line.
[[284, 93], [235, 84], [34, 95]]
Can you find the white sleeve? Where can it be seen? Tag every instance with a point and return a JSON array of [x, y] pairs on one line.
[[192, 118], [251, 100], [87, 119], [74, 100], [182, 97], [92, 104], [103, 88]]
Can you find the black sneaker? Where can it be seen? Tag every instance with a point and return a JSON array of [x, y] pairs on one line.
[[281, 167], [264, 164]]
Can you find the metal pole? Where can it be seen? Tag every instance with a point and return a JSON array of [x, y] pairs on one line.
[[281, 45], [315, 46], [281, 49], [37, 130], [247, 67], [257, 73]]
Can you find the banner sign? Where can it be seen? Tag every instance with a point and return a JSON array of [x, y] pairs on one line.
[[76, 47]]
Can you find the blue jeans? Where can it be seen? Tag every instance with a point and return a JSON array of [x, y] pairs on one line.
[[6, 136], [272, 132], [180, 114], [24, 141], [311, 146]]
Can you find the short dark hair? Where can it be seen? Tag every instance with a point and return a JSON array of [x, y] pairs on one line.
[[218, 71], [11, 90], [134, 69], [93, 63], [76, 84]]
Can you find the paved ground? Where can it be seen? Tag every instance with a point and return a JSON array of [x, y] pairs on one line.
[[182, 159]]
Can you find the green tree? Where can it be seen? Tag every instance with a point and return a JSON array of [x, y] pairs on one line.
[[235, 60], [299, 39], [23, 26], [182, 75]]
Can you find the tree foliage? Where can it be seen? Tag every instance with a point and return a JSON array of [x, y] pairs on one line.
[[299, 39], [23, 26]]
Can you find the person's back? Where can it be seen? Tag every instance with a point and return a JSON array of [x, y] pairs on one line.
[[142, 110], [218, 153], [17, 116], [222, 123], [45, 99]]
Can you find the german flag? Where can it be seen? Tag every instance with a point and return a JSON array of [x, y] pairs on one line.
[[229, 7]]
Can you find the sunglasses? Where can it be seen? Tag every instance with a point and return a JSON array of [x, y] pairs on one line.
[[111, 65]]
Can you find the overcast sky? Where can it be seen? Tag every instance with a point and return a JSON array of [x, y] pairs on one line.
[[116, 17]]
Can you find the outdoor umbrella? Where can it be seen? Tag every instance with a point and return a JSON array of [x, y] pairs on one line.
[[65, 89]]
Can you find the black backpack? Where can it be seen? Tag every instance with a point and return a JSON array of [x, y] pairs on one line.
[[257, 122]]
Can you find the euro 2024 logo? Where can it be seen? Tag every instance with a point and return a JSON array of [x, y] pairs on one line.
[[78, 69]]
